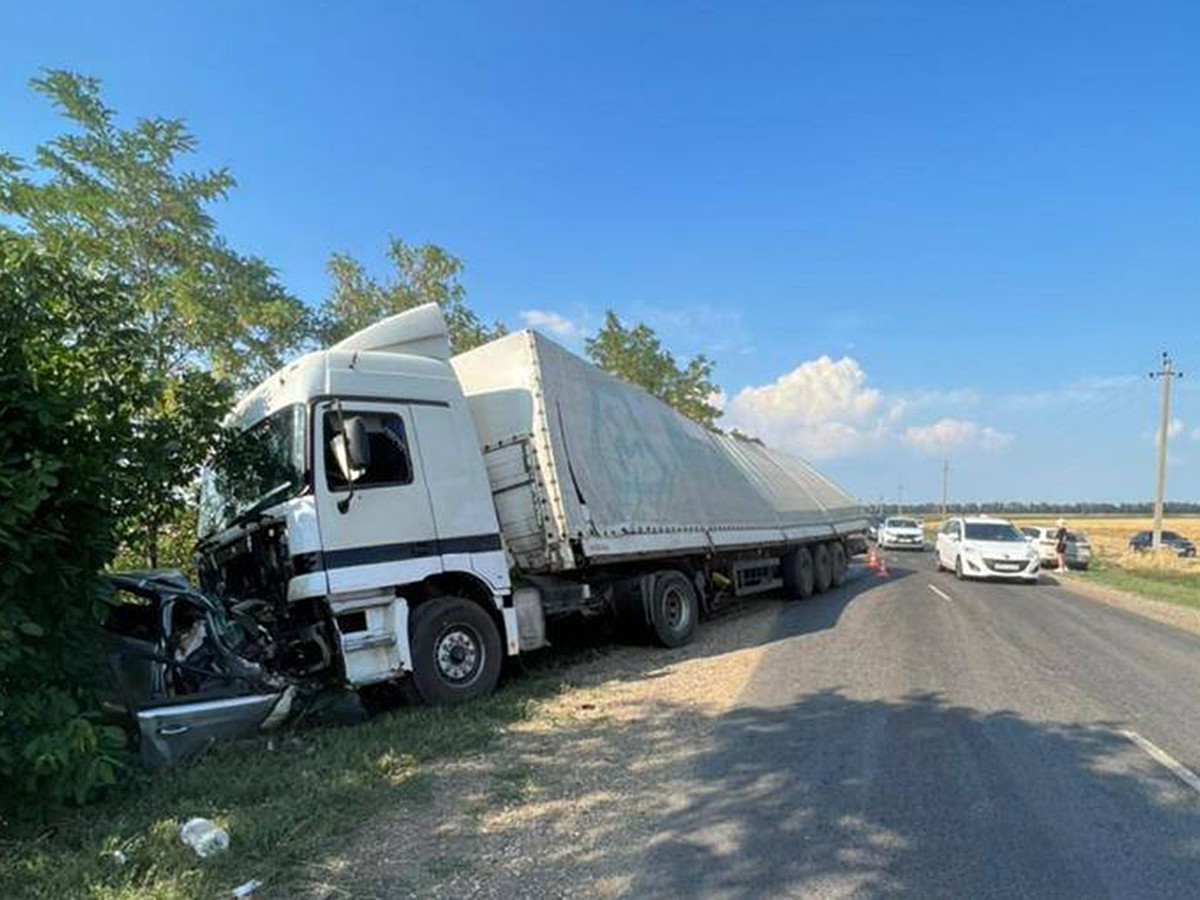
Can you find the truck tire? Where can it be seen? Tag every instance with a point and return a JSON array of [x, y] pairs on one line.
[[822, 568], [797, 574], [456, 652], [837, 553], [674, 609]]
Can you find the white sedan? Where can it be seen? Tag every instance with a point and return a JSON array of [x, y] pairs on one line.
[[901, 533], [983, 547]]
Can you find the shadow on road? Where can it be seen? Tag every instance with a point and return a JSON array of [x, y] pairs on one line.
[[826, 796], [722, 632]]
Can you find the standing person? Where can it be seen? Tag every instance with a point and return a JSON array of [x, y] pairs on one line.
[[1060, 545]]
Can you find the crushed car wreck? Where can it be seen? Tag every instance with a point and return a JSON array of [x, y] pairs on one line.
[[188, 671]]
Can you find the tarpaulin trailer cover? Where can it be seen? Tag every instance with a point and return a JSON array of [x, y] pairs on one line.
[[575, 455]]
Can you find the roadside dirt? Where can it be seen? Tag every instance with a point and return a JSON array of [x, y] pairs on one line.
[[1160, 611], [565, 805]]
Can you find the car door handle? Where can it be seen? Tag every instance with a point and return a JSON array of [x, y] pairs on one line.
[[172, 730]]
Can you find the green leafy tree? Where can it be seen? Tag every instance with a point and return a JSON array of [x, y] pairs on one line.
[[73, 383], [637, 355], [115, 201], [423, 274]]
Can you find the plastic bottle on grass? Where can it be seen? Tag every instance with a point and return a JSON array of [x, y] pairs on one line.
[[203, 836]]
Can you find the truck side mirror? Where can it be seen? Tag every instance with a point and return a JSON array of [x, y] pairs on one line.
[[352, 449], [358, 444]]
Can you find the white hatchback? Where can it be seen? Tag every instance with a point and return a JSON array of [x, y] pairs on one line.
[[983, 547], [901, 532]]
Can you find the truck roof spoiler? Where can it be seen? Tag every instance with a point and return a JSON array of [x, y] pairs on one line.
[[417, 332]]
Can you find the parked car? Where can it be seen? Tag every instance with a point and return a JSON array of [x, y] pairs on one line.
[[1045, 540], [1173, 541], [901, 533], [983, 547]]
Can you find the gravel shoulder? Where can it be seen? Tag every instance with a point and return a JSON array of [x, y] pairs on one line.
[[565, 804]]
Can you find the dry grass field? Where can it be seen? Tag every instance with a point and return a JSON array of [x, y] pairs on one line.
[[1109, 536]]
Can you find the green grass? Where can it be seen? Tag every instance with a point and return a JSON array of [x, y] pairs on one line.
[[284, 808], [1182, 588]]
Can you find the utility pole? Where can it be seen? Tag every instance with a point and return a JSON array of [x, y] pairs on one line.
[[900, 499], [1165, 375], [945, 484]]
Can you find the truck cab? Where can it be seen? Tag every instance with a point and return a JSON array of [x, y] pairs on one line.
[[353, 502]]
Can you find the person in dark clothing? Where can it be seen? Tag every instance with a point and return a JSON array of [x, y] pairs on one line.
[[1060, 546]]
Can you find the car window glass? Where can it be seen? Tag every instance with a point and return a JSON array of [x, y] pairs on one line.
[[133, 616], [391, 461], [992, 531]]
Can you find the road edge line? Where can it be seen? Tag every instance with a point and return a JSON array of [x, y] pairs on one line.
[[1164, 759]]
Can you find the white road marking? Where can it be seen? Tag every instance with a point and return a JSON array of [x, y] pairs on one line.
[[940, 592], [1166, 760]]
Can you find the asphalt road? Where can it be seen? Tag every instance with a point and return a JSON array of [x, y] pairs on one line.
[[983, 740]]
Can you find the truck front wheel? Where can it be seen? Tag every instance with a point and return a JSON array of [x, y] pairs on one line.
[[674, 609], [798, 574], [822, 568], [456, 652]]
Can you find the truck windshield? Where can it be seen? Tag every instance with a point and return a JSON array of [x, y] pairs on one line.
[[262, 465]]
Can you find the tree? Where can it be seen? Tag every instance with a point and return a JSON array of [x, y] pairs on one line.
[[73, 382], [423, 274], [637, 355], [114, 201]]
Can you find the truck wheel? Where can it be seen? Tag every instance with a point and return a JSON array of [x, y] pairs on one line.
[[456, 652], [838, 555], [822, 568], [798, 574], [674, 609]]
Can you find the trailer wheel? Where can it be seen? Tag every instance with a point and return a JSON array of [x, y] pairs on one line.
[[838, 555], [674, 609], [798, 574], [822, 568], [456, 652]]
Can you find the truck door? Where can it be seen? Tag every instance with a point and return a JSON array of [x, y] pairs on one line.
[[377, 528]]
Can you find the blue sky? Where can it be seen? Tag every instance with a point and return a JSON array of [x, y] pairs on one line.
[[904, 231]]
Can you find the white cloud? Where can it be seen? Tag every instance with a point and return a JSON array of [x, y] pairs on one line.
[[822, 408], [553, 322], [950, 434], [1174, 428]]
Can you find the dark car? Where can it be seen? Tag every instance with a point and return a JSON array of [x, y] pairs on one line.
[[1174, 542], [187, 672]]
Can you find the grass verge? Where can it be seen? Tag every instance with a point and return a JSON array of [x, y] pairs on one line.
[[284, 808], [1176, 586]]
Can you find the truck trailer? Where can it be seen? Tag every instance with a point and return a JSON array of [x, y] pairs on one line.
[[389, 513]]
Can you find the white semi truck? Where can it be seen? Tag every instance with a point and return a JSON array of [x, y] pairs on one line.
[[396, 514]]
